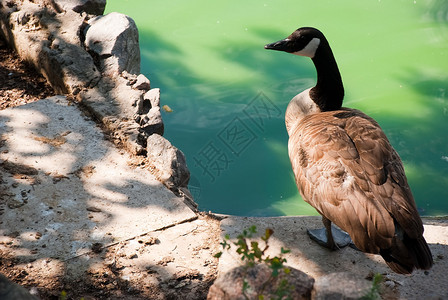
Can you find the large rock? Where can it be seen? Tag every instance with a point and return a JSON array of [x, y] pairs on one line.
[[341, 285], [94, 7], [35, 34], [259, 281], [148, 113], [113, 40], [169, 162], [67, 67], [153, 96]]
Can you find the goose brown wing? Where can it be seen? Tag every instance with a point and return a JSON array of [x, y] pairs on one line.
[[385, 171], [346, 168]]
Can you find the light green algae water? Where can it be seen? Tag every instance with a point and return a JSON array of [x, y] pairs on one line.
[[229, 95]]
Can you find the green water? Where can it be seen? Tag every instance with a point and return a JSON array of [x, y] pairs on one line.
[[229, 95]]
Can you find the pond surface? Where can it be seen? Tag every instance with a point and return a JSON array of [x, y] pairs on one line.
[[228, 94]]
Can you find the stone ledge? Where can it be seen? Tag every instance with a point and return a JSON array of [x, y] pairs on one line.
[[318, 262]]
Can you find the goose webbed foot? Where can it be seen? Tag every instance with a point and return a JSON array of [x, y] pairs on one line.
[[340, 238], [330, 237]]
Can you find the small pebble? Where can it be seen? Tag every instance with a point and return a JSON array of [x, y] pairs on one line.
[[34, 291], [389, 284], [97, 247], [93, 209]]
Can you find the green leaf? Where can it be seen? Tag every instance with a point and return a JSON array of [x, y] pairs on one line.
[[63, 295], [377, 279], [217, 255], [253, 229], [268, 233], [245, 285], [225, 245], [284, 251]]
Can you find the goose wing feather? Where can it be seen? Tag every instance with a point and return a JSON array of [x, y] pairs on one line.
[[346, 168]]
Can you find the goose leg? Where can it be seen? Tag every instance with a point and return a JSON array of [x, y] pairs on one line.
[[330, 237]]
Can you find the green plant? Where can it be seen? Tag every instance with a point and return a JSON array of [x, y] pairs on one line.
[[373, 293], [253, 253], [63, 296]]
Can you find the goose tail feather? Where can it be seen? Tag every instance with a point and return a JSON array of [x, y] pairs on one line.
[[408, 254]]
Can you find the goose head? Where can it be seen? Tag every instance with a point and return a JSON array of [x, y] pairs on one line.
[[304, 42], [310, 42]]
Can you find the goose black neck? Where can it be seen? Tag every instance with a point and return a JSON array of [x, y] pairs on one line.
[[329, 90]]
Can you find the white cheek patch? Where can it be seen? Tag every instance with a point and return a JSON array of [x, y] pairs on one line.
[[310, 49]]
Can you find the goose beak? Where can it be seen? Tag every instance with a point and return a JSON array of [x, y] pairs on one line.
[[282, 45]]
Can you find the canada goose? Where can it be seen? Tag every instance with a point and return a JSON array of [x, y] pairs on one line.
[[345, 167]]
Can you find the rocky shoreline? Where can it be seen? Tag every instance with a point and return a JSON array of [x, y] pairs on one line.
[[95, 61]]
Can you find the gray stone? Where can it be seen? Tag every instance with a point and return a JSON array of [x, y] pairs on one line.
[[151, 122], [142, 83], [12, 291], [147, 112], [94, 7], [131, 78], [260, 282], [341, 285], [59, 67], [153, 117], [169, 163], [153, 95], [113, 40]]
